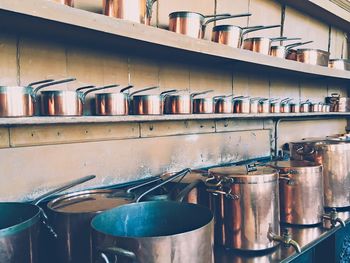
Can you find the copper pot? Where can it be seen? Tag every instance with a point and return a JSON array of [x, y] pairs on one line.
[[223, 104], [112, 104], [294, 107], [66, 102], [232, 35], [260, 44], [250, 206], [301, 192], [285, 105], [152, 104], [264, 106], [241, 104], [139, 11], [65, 2], [305, 106], [334, 156], [313, 56], [19, 101], [292, 54], [282, 51], [341, 64], [193, 24], [203, 105]]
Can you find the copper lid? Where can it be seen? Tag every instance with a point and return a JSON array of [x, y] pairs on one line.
[[91, 201], [240, 174]]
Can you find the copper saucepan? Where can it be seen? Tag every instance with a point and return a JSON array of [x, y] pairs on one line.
[[178, 103], [232, 35], [223, 104], [342, 64], [66, 102], [203, 104], [193, 24], [152, 104], [18, 101], [112, 103], [262, 44], [313, 56], [65, 2], [282, 51], [241, 104], [139, 11]]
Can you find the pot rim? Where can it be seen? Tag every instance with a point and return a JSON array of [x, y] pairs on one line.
[[207, 224], [340, 59], [300, 50], [186, 14], [13, 229], [24, 90], [59, 92], [55, 201]]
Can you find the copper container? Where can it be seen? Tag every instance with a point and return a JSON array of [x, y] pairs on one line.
[[241, 104], [282, 51], [203, 106], [264, 106], [260, 44], [139, 11], [223, 104], [65, 2], [294, 107], [341, 64], [301, 192], [313, 56], [335, 158], [112, 104], [305, 107], [291, 54], [250, 206]]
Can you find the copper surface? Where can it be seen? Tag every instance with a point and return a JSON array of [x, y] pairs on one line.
[[232, 37], [16, 102], [111, 104], [139, 11], [178, 104], [191, 26], [147, 105], [291, 54], [203, 105], [301, 192], [341, 64], [313, 57], [223, 105], [254, 212], [278, 51], [65, 2], [242, 106], [61, 103], [261, 45]]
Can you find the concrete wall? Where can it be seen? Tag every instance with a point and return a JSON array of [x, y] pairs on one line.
[[36, 158]]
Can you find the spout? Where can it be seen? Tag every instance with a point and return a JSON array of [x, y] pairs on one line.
[[295, 244], [333, 218], [340, 221], [285, 239]]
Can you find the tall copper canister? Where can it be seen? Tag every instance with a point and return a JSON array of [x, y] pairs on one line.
[[250, 206], [301, 192], [335, 158]]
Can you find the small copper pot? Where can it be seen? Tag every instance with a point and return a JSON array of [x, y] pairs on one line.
[[282, 51], [260, 44], [223, 104], [66, 2], [313, 56]]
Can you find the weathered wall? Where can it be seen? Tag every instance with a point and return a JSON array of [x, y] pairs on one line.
[[35, 158]]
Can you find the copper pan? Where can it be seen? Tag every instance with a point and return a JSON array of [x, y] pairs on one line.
[[178, 103], [341, 64], [139, 11], [193, 24], [232, 35], [223, 104], [203, 105], [282, 51], [65, 102], [262, 44], [313, 56], [112, 103]]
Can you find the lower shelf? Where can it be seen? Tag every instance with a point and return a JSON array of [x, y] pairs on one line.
[[157, 118]]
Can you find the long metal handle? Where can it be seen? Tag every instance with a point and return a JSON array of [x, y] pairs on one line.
[[35, 91], [290, 46], [141, 90], [228, 194], [143, 184], [39, 82], [126, 88], [201, 93], [184, 192], [256, 28], [85, 87], [164, 93], [209, 16], [225, 17], [117, 251], [99, 88], [63, 188], [171, 178]]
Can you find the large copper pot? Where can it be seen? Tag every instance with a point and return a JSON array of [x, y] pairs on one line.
[[335, 158], [249, 206], [301, 192], [139, 11]]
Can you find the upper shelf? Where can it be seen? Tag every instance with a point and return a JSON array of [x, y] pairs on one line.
[[157, 118], [46, 18], [323, 10]]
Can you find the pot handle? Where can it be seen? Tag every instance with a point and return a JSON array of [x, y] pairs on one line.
[[290, 46], [35, 91], [82, 95], [141, 90], [256, 28], [126, 88], [201, 93], [287, 179], [209, 16], [85, 87], [167, 92], [149, 6], [116, 251], [218, 17], [171, 178], [39, 82], [143, 184], [285, 239]]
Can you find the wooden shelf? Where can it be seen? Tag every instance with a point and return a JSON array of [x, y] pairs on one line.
[[323, 10], [49, 19], [158, 118]]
